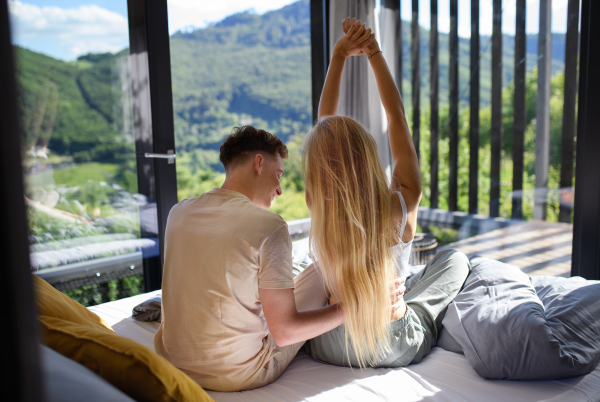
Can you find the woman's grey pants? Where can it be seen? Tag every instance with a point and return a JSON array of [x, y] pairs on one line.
[[427, 296]]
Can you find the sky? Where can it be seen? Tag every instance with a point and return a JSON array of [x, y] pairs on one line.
[[66, 29]]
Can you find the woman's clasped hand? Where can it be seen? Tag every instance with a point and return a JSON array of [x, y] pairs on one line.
[[357, 37]]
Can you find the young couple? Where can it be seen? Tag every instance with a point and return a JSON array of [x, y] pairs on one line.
[[233, 315]]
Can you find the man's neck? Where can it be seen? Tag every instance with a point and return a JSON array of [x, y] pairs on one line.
[[239, 184]]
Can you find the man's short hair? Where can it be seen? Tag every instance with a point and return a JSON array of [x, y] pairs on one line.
[[246, 140]]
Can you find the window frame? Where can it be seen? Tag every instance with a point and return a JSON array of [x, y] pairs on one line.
[[153, 117], [22, 375], [586, 221]]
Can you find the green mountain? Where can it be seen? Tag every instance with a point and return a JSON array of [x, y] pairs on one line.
[[70, 107], [245, 68]]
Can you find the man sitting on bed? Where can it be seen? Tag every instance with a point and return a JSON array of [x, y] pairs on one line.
[[233, 317]]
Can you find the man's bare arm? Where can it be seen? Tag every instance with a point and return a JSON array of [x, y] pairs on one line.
[[287, 325]]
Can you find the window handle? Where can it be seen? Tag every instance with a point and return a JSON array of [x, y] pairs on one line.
[[170, 155]]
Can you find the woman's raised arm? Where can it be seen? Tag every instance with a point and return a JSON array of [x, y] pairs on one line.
[[405, 174], [351, 44]]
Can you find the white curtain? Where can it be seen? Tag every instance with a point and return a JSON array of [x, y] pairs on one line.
[[359, 97], [389, 22]]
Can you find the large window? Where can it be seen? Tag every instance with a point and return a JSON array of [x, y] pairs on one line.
[[86, 217], [232, 66]]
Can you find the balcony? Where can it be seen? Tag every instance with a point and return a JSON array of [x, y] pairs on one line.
[[483, 107]]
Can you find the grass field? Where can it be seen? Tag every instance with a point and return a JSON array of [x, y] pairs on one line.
[[80, 173]]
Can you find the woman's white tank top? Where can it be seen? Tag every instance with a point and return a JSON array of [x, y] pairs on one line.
[[402, 250]]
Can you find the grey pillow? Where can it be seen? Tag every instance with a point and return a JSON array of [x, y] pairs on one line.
[[511, 327], [69, 381]]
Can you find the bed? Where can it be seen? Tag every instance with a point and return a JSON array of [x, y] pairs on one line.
[[441, 376]]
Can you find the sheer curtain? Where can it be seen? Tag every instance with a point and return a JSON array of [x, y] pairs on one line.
[[359, 98]]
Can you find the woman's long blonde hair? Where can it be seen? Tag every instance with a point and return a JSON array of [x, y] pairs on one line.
[[351, 230]]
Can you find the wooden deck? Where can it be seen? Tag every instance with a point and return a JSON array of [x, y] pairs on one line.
[[537, 247]]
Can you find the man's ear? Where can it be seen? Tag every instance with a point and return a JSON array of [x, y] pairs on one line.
[[258, 163]]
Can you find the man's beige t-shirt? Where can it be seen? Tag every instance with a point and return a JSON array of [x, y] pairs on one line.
[[220, 248]]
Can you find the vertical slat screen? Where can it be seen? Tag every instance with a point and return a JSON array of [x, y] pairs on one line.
[[496, 132], [434, 121], [519, 110], [568, 130], [474, 109], [542, 134], [453, 117], [416, 76]]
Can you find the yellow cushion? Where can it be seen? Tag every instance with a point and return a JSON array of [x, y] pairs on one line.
[[127, 365], [52, 303]]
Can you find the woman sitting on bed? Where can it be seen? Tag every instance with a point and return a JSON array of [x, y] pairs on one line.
[[362, 229]]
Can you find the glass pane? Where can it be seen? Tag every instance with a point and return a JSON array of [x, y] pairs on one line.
[[72, 67], [231, 67]]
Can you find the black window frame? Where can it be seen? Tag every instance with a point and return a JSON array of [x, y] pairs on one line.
[[153, 118], [586, 220], [22, 375]]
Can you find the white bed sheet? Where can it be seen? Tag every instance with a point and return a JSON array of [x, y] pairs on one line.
[[441, 376], [117, 314]]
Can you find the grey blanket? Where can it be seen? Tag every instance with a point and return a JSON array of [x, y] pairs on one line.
[[513, 327]]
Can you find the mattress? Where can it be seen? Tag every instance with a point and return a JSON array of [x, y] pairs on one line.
[[441, 376]]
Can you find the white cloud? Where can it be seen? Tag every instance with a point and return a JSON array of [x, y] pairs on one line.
[[194, 13], [90, 28], [85, 46], [80, 30]]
